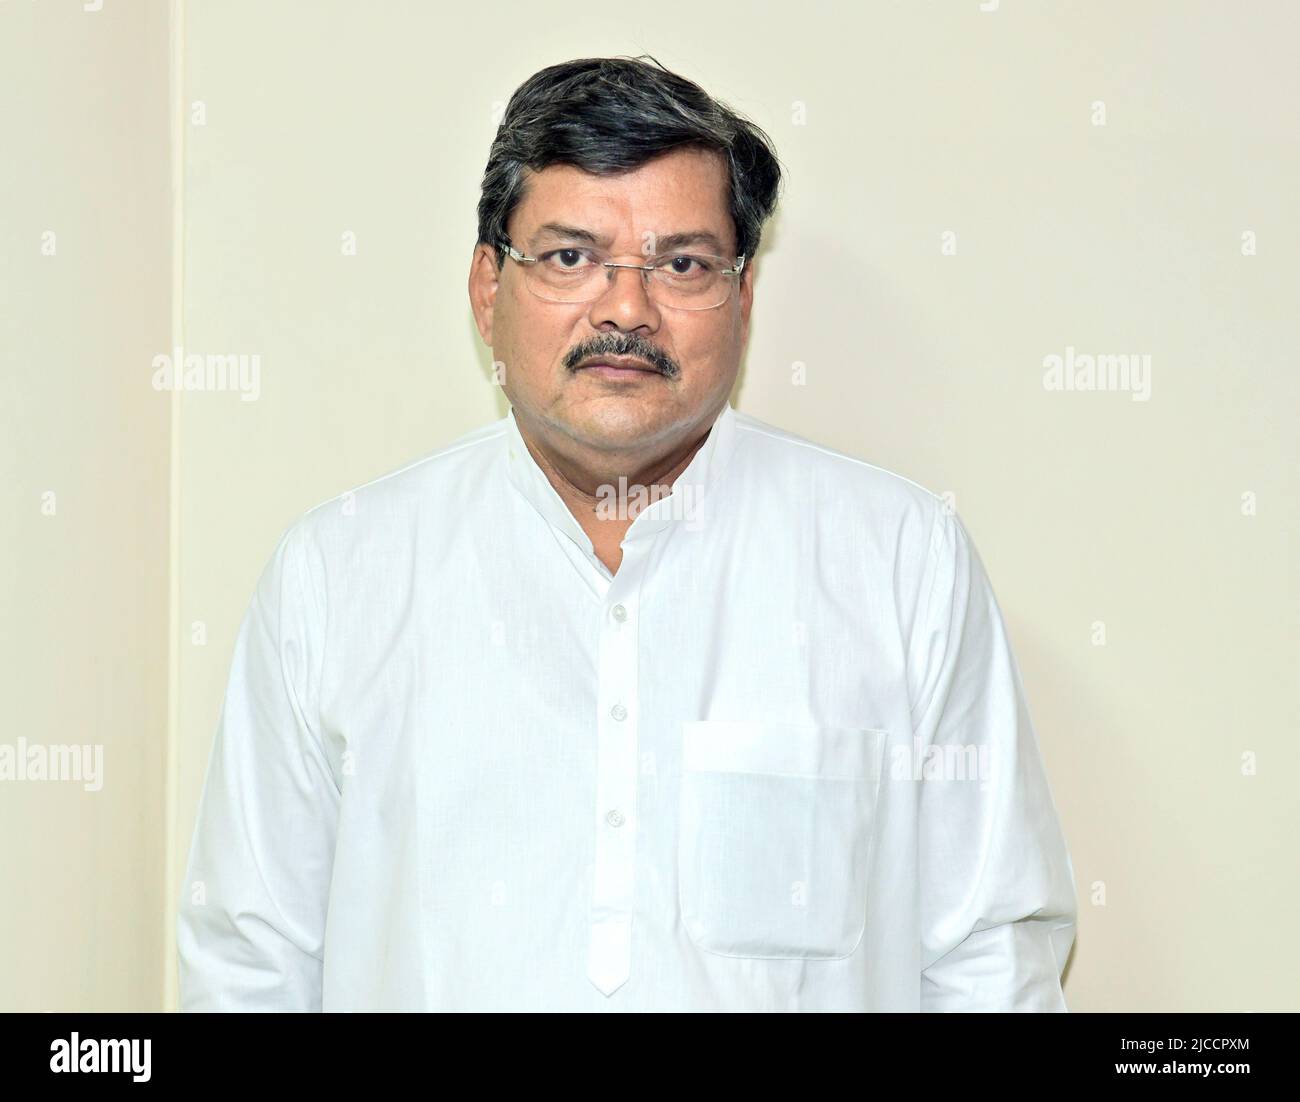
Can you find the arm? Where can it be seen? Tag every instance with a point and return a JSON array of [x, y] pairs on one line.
[[998, 906], [251, 926]]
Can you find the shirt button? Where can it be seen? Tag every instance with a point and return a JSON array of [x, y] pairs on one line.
[[618, 712], [614, 818], [619, 613]]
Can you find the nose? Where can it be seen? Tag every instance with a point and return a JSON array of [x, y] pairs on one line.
[[625, 302]]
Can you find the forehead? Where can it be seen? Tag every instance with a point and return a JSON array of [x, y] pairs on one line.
[[680, 192]]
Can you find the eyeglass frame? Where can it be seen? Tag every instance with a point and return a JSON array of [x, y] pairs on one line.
[[523, 258]]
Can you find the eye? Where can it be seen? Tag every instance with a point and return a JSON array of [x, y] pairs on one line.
[[565, 260], [684, 266]]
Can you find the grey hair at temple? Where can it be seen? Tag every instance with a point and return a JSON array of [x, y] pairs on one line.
[[611, 115]]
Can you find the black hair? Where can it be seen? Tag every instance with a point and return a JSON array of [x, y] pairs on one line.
[[611, 115]]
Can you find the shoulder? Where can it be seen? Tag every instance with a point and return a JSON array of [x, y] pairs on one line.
[[394, 499], [843, 488]]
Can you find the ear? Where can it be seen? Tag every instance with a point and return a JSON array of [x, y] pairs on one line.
[[484, 279], [746, 292]]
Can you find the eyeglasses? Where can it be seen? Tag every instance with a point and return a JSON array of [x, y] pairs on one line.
[[680, 281]]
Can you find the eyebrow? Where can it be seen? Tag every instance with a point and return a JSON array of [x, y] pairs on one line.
[[666, 243]]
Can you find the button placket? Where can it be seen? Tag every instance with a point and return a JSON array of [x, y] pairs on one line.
[[615, 821]]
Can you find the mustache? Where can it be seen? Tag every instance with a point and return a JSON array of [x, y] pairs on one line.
[[624, 345]]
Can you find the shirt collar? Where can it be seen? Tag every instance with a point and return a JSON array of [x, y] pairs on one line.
[[685, 505]]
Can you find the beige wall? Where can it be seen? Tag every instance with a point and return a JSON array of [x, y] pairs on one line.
[[903, 123], [83, 589]]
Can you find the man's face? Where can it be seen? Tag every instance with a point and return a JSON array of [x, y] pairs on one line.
[[541, 342]]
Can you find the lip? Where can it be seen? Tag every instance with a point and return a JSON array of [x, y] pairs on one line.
[[616, 370]]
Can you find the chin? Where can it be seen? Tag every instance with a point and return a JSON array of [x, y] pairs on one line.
[[618, 428]]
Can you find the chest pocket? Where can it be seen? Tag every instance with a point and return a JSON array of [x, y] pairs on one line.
[[776, 832]]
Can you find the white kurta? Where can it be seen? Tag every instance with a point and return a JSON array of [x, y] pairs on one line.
[[781, 760]]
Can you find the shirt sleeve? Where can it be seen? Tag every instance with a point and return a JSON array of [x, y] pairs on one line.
[[251, 922], [997, 899]]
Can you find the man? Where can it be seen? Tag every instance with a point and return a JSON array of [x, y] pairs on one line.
[[628, 701]]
